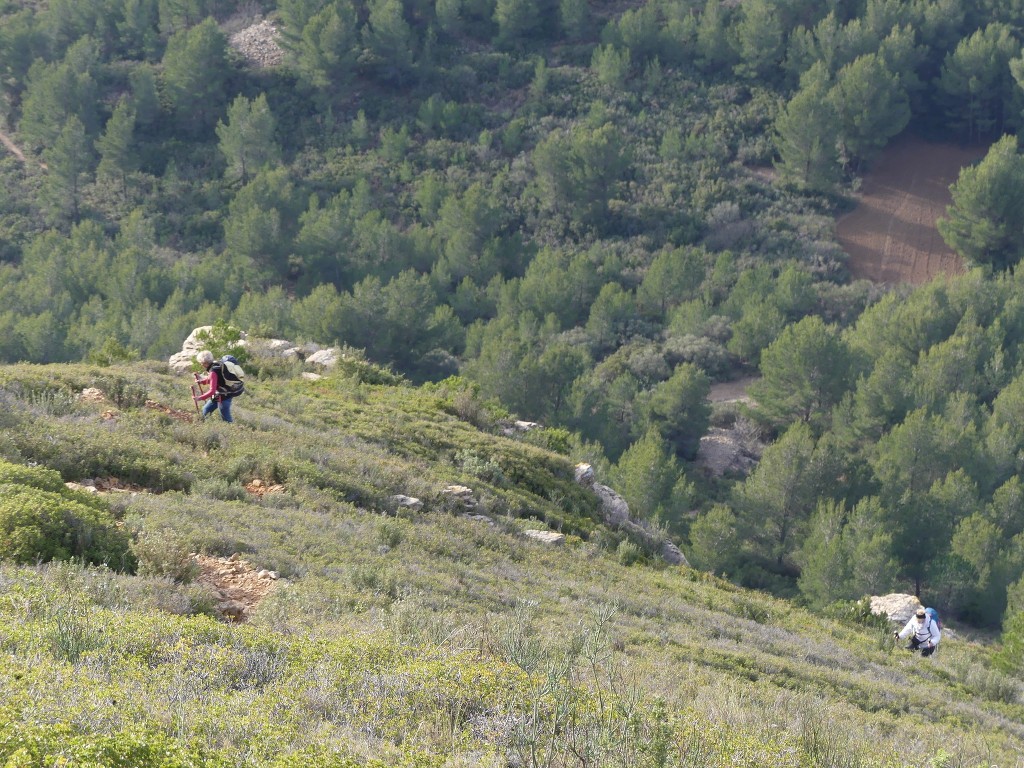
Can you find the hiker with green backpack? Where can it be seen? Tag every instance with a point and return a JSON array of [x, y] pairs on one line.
[[224, 381], [923, 631]]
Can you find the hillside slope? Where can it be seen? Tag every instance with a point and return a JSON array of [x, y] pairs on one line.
[[426, 638]]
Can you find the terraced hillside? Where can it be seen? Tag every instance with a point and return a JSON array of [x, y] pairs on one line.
[[396, 636]]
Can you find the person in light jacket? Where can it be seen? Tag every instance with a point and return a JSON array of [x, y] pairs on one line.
[[923, 632]]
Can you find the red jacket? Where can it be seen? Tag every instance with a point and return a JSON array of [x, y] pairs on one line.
[[211, 378]]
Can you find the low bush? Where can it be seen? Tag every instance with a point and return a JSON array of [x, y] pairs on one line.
[[42, 525], [165, 553]]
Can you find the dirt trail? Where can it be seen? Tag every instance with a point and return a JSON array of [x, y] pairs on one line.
[[731, 391], [12, 147], [891, 235]]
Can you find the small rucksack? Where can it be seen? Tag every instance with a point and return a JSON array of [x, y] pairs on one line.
[[232, 377], [933, 614]]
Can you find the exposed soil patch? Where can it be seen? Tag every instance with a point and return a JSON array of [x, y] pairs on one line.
[[731, 391], [174, 413], [237, 586], [891, 235], [259, 488]]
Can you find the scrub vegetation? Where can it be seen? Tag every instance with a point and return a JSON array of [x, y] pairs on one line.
[[399, 638], [582, 214]]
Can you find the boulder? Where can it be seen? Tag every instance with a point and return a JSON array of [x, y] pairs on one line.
[[724, 451], [461, 495], [406, 502], [584, 474], [232, 610], [614, 508], [546, 537], [181, 362], [326, 358], [275, 349], [671, 554], [479, 519], [897, 607], [82, 487]]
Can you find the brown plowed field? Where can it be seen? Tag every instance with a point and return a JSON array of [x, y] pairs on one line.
[[891, 235]]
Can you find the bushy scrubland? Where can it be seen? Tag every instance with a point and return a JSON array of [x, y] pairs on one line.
[[419, 639]]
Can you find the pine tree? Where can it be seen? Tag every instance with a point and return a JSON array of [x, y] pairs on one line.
[[872, 107], [247, 139], [389, 41], [115, 146], [807, 134], [975, 86], [326, 51], [804, 373], [68, 163], [679, 411], [758, 36], [194, 71], [985, 222]]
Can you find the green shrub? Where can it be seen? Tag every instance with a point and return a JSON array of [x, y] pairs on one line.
[[38, 525], [223, 490], [165, 553], [629, 553], [352, 363], [477, 466], [554, 439], [223, 339], [35, 477], [391, 533], [79, 450], [123, 392]]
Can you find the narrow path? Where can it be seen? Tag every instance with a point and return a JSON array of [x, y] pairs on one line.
[[12, 147], [16, 151]]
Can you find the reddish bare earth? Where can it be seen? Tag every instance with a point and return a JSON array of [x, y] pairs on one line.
[[891, 235]]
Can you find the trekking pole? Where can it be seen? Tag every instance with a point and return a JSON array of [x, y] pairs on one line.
[[195, 394]]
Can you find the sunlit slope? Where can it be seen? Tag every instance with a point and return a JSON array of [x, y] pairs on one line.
[[419, 638]]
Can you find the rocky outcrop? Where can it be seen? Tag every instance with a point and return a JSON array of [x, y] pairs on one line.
[[260, 489], [92, 395], [277, 348], [728, 451], [182, 361], [615, 512], [401, 501], [517, 427], [551, 538], [105, 485], [258, 45], [460, 496], [325, 358], [897, 607], [258, 347]]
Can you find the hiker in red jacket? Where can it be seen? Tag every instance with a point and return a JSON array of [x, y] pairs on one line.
[[214, 379]]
